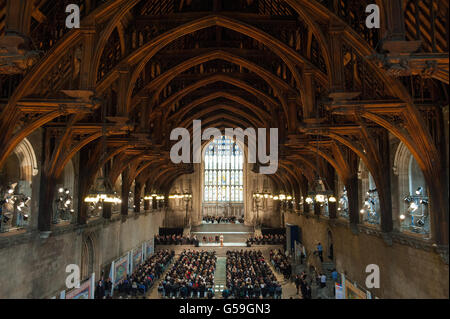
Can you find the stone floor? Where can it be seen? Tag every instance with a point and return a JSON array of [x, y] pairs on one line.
[[289, 290], [235, 236]]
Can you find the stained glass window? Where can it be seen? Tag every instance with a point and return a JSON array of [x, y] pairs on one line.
[[223, 171]]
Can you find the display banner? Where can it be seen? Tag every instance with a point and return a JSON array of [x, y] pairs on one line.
[[149, 248], [339, 291], [84, 292], [353, 292], [120, 269], [137, 257]]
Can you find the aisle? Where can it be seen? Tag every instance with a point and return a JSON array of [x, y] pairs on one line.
[[220, 276], [154, 289], [289, 289]]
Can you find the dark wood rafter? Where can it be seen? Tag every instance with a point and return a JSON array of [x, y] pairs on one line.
[[137, 69]]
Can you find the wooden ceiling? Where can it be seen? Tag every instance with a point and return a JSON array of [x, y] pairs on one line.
[[139, 68]]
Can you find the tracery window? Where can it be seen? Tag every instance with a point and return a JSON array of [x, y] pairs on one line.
[[224, 175]]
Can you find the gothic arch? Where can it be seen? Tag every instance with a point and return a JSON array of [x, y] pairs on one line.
[[27, 159], [88, 256]]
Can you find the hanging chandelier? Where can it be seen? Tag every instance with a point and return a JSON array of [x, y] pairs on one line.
[[176, 195], [265, 194], [154, 196], [320, 194], [103, 192]]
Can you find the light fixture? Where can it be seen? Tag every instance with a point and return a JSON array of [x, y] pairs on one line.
[[413, 207], [332, 199], [419, 190], [319, 198], [402, 217]]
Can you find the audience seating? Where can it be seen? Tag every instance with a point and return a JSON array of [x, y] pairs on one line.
[[191, 276], [250, 277], [143, 278], [281, 263]]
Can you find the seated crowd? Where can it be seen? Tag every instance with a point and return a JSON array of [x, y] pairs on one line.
[[175, 240], [267, 240], [249, 276], [191, 276], [222, 219], [144, 276], [281, 263]]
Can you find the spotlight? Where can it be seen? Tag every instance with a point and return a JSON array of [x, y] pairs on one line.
[[362, 211], [402, 217], [320, 198], [332, 199], [61, 190], [424, 201], [419, 190], [413, 206], [67, 191]]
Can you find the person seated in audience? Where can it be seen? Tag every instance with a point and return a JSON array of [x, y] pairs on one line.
[[248, 275], [268, 239], [144, 275], [281, 263], [174, 239], [190, 275]]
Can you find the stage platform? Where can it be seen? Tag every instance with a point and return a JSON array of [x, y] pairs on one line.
[[233, 234]]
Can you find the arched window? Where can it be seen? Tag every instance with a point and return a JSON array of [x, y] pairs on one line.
[[370, 207], [223, 174], [413, 214], [16, 187]]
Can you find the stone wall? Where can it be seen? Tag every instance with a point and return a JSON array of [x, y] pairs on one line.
[[405, 271], [32, 267]]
